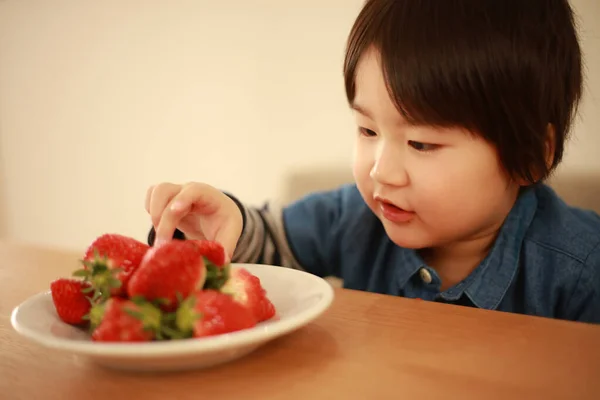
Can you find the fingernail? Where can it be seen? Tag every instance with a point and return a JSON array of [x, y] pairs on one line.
[[158, 242]]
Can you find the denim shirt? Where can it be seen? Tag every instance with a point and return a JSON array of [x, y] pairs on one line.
[[544, 262]]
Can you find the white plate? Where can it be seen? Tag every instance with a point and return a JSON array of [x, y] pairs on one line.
[[298, 297]]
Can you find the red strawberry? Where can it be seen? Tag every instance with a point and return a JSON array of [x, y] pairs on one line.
[[109, 262], [213, 251], [125, 321], [210, 312], [72, 300], [169, 272], [247, 290]]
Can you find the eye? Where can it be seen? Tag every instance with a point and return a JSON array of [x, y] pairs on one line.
[[423, 147], [367, 132]]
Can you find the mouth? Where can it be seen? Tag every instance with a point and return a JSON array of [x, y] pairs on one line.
[[392, 212]]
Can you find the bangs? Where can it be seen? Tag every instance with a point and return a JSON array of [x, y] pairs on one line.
[[435, 57]]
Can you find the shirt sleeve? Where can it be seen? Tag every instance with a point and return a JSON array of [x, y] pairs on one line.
[[303, 235], [584, 304]]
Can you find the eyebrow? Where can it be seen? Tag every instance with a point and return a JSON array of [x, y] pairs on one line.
[[362, 110]]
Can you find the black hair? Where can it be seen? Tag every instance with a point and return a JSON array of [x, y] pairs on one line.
[[505, 70]]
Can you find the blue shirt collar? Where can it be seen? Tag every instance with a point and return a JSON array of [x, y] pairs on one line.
[[488, 283]]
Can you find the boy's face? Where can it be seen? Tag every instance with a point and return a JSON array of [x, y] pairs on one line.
[[429, 186]]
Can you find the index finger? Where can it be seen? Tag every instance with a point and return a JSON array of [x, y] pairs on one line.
[[170, 218]]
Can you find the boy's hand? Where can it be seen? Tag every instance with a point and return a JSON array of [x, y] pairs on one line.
[[198, 210]]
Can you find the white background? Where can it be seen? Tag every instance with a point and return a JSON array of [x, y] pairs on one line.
[[233, 93]]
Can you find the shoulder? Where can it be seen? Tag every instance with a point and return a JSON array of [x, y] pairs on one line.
[[562, 228], [321, 226], [339, 203], [340, 214], [344, 194], [562, 248]]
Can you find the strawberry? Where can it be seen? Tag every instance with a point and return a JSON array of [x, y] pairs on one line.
[[169, 272], [109, 262], [210, 312], [123, 320], [247, 290], [72, 300], [213, 251]]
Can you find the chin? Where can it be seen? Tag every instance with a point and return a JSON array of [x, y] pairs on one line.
[[408, 236]]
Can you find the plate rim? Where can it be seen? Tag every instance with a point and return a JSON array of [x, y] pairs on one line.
[[256, 335]]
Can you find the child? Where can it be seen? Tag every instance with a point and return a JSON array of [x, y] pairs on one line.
[[462, 110]]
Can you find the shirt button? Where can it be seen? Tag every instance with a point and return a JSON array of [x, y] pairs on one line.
[[425, 275]]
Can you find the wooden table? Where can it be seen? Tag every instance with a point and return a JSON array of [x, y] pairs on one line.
[[365, 346]]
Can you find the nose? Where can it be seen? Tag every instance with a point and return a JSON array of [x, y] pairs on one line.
[[389, 168]]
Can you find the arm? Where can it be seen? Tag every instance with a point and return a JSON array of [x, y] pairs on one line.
[[304, 235]]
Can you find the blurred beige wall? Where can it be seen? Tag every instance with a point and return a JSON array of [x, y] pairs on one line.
[[233, 93]]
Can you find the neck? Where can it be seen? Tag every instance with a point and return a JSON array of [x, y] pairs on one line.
[[454, 262]]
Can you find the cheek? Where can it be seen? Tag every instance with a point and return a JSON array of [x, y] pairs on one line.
[[361, 169], [362, 161], [461, 187]]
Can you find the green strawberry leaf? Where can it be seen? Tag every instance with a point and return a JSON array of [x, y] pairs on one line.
[[160, 301], [138, 299], [216, 276], [186, 316], [83, 273], [97, 295], [136, 314], [96, 315], [172, 333]]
